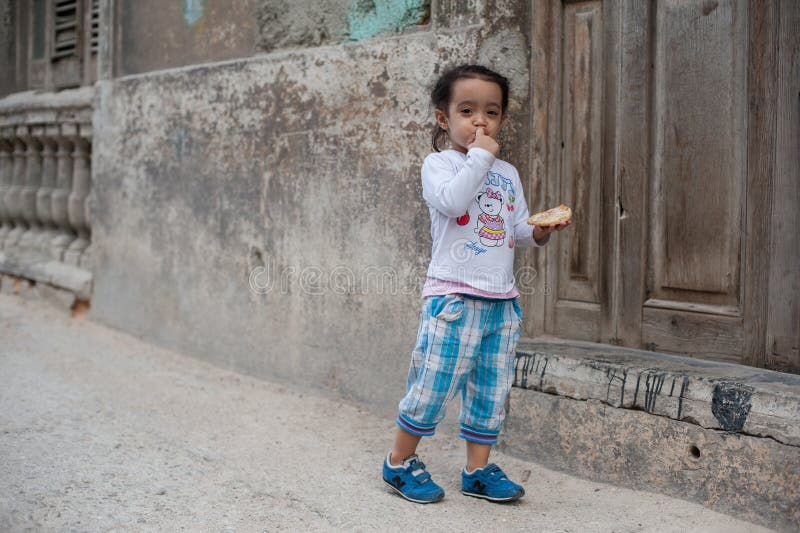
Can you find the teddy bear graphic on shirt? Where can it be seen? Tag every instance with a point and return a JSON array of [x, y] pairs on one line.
[[490, 226]]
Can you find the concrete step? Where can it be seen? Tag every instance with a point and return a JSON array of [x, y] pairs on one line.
[[724, 435], [71, 278], [743, 399]]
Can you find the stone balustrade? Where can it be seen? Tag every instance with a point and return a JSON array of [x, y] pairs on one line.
[[45, 182]]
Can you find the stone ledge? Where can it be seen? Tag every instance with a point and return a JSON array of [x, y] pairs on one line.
[[47, 101], [65, 108], [61, 299], [748, 477], [61, 275], [712, 395]]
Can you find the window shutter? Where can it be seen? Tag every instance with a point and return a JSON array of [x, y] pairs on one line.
[[65, 29], [94, 30]]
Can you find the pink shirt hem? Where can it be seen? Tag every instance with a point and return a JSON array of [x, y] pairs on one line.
[[441, 287]]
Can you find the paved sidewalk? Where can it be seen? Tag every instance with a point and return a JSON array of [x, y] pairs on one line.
[[100, 431]]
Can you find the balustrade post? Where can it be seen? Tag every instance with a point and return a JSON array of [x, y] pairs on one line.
[[6, 163], [81, 180], [87, 258], [12, 196], [33, 179], [44, 209], [59, 199]]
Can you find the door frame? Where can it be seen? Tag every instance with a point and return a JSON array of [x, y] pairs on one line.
[[626, 157]]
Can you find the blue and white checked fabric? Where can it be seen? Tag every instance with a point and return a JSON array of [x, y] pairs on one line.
[[464, 346]]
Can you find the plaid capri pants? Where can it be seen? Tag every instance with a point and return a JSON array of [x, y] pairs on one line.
[[465, 346]]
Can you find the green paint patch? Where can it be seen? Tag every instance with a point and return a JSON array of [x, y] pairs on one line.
[[368, 18], [193, 11]]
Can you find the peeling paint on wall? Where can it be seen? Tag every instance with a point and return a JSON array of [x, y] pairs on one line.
[[193, 11], [182, 142], [368, 18]]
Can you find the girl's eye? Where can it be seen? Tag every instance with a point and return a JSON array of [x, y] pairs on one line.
[[493, 113], [466, 111]]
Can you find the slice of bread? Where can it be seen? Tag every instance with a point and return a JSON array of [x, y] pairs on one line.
[[551, 217]]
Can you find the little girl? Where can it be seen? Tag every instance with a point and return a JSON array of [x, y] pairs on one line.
[[470, 320]]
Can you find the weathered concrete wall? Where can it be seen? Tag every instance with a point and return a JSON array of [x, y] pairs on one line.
[[303, 24], [304, 163], [156, 35]]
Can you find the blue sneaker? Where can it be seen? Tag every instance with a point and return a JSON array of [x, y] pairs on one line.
[[490, 483], [411, 481]]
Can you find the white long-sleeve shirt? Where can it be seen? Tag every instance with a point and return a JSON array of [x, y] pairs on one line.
[[478, 216]]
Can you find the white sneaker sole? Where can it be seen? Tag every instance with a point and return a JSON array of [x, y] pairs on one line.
[[485, 497], [412, 499]]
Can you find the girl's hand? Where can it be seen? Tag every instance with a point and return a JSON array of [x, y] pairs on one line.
[[542, 233], [484, 141]]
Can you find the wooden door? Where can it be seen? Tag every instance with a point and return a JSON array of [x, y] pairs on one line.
[[697, 191], [654, 120]]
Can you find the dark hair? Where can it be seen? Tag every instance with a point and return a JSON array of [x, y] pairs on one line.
[[441, 93]]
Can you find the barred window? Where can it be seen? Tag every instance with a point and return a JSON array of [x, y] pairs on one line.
[[65, 28], [94, 26], [63, 42]]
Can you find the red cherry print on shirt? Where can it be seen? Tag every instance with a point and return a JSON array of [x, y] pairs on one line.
[[463, 220]]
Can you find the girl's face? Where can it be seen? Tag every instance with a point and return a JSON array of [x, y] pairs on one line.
[[474, 103]]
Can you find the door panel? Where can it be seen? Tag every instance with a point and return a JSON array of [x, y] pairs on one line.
[[696, 197], [703, 335], [576, 157], [581, 112], [697, 193]]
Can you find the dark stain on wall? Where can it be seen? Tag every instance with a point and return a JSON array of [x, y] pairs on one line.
[[531, 364], [731, 404]]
